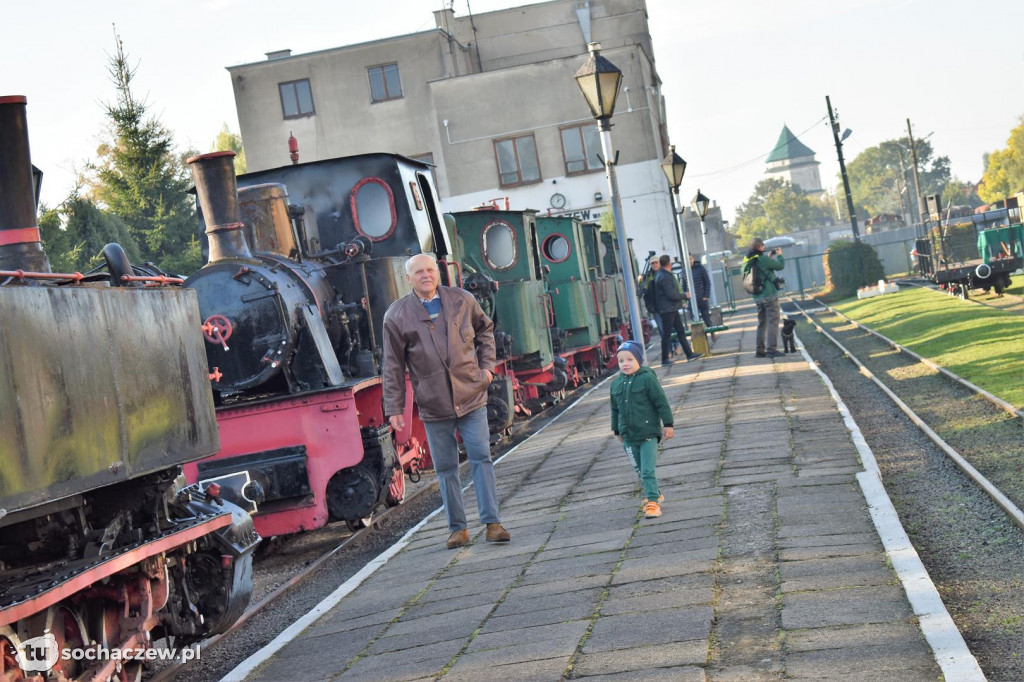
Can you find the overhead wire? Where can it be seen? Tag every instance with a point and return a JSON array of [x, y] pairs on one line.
[[743, 164]]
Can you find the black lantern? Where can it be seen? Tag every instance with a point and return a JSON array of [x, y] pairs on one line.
[[599, 80], [700, 204], [674, 167]]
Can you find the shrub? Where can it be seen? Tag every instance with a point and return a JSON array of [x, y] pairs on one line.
[[848, 266]]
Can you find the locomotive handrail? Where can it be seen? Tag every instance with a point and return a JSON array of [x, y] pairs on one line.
[[22, 274], [593, 293], [159, 279], [549, 308], [452, 264]]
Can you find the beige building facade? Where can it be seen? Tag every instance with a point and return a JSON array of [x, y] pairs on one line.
[[490, 100]]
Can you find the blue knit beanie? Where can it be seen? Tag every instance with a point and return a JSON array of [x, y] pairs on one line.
[[633, 347]]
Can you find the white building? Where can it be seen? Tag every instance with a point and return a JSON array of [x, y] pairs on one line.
[[490, 99]]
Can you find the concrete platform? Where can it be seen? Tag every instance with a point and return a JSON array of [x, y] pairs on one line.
[[767, 563]]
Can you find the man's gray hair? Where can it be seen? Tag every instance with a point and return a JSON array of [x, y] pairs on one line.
[[408, 263]]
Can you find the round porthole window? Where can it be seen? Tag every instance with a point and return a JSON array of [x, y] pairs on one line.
[[373, 209], [556, 248], [499, 244]]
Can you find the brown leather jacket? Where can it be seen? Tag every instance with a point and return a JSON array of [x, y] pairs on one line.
[[447, 384]]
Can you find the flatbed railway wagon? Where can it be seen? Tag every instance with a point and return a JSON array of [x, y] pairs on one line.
[[981, 253]]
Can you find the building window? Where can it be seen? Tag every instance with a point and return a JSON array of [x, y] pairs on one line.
[[580, 147], [384, 82], [296, 98], [517, 161]]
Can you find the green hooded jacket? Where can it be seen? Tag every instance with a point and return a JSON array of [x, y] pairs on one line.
[[639, 406], [766, 264]]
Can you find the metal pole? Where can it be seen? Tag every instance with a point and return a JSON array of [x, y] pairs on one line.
[[681, 229], [707, 261], [842, 171], [628, 275], [917, 187]]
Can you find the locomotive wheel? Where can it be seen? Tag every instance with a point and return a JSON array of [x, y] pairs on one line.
[[352, 494], [396, 489], [10, 671], [69, 628]]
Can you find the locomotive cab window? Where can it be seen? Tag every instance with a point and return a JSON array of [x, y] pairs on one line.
[[296, 98], [556, 248], [373, 209], [499, 245]]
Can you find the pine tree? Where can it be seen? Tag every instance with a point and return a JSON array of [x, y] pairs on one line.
[[141, 180]]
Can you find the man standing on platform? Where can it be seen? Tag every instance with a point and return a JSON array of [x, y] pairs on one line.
[[446, 340], [667, 299], [702, 289]]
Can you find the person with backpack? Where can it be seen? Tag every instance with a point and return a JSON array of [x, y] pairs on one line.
[[759, 280]]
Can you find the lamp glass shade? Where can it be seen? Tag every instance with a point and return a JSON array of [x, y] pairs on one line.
[[700, 204], [599, 81], [674, 168]]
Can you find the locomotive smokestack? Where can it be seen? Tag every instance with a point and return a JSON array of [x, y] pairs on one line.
[[20, 248], [214, 175]]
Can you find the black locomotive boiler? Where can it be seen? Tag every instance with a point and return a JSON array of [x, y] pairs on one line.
[[104, 395]]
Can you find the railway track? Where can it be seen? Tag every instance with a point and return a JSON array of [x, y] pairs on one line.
[[308, 562], [966, 532]]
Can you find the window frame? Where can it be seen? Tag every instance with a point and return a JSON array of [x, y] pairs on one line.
[[355, 208], [519, 166], [544, 247], [515, 244], [583, 144], [384, 81], [295, 93]]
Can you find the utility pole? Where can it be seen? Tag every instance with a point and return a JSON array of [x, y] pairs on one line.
[[842, 170], [917, 187]]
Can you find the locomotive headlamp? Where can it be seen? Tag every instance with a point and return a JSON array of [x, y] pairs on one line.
[[599, 80]]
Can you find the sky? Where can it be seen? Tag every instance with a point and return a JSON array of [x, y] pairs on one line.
[[733, 71]]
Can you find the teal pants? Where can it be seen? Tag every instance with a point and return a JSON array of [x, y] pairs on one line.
[[643, 455]]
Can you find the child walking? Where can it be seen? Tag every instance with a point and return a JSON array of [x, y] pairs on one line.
[[640, 418]]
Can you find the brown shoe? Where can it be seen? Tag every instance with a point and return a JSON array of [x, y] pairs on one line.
[[496, 533], [458, 539]]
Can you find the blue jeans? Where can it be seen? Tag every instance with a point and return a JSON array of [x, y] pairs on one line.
[[643, 455], [444, 450]]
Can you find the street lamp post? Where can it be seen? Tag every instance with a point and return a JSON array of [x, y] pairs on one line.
[[700, 205], [674, 168], [599, 81]]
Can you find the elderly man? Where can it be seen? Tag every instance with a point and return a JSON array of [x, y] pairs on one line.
[[446, 340]]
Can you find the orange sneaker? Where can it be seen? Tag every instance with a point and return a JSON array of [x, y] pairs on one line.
[[652, 510], [661, 498]]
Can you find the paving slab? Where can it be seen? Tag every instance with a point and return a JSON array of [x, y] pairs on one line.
[[764, 563]]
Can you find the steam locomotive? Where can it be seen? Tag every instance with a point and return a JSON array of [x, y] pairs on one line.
[[104, 394], [303, 262]]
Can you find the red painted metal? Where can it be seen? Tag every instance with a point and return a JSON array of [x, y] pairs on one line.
[[391, 205], [158, 279], [23, 235], [108, 568], [22, 274], [327, 423]]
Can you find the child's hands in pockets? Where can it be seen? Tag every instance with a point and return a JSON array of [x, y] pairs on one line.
[[669, 432]]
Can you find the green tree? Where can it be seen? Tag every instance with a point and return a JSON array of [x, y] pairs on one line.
[[960, 193], [881, 177], [229, 141], [140, 179], [1004, 170], [76, 231], [776, 207]]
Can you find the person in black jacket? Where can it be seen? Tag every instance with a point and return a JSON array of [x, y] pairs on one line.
[[702, 289], [667, 299]]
